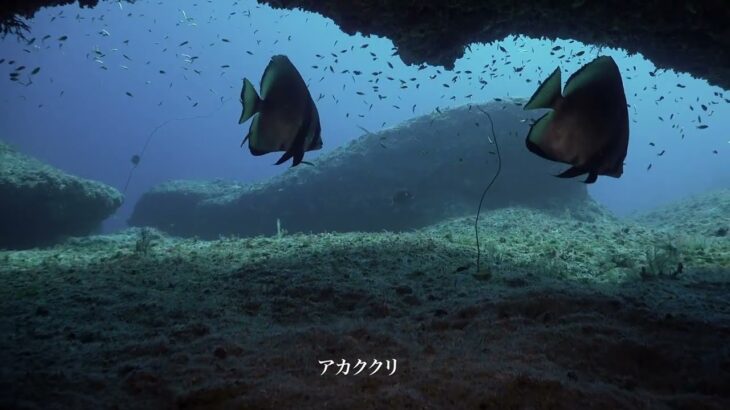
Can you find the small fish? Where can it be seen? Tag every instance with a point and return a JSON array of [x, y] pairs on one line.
[[35, 71], [649, 167], [401, 197], [286, 117], [129, 94], [183, 43], [63, 38], [702, 127], [661, 153], [135, 160]]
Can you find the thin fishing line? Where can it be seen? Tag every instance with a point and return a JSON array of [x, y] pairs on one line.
[[494, 178], [157, 128]]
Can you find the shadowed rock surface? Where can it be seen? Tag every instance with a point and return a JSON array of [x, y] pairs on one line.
[[41, 204], [418, 173], [690, 36], [11, 11]]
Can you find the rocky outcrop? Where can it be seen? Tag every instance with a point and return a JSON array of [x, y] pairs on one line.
[[420, 172], [41, 204], [690, 36]]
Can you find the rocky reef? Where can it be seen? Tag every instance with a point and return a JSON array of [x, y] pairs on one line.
[[706, 215], [689, 36], [415, 174], [41, 204]]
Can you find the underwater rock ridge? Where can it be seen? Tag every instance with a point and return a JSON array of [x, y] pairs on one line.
[[396, 179], [41, 204]]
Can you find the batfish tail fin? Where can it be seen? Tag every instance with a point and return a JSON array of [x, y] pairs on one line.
[[547, 94], [250, 101]]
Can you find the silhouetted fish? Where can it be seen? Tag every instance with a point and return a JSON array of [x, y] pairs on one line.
[[287, 117], [588, 126]]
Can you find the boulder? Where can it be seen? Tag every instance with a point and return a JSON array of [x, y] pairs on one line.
[[415, 174], [40, 204]]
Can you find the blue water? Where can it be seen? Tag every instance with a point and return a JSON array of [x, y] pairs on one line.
[[77, 116]]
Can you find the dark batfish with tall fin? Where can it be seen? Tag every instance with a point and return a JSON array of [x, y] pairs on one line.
[[588, 126], [287, 118]]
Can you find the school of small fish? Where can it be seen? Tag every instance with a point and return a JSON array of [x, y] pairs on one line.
[[330, 65]]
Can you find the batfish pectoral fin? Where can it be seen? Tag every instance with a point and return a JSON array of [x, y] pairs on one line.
[[547, 94], [571, 173], [592, 177], [253, 138], [538, 138], [249, 100]]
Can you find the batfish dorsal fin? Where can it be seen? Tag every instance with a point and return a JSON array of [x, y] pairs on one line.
[[253, 138], [547, 94], [279, 68], [592, 177], [250, 101], [601, 69]]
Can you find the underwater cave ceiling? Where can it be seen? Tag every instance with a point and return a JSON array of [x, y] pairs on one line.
[[690, 36], [687, 36]]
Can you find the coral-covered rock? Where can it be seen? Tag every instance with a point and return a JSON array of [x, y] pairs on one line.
[[415, 174], [40, 204]]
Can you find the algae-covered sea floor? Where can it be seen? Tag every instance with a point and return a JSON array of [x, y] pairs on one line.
[[569, 310]]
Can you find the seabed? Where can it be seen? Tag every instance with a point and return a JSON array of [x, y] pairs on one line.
[[568, 310]]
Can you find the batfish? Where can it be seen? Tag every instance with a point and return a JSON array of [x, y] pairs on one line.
[[287, 118], [588, 126]]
